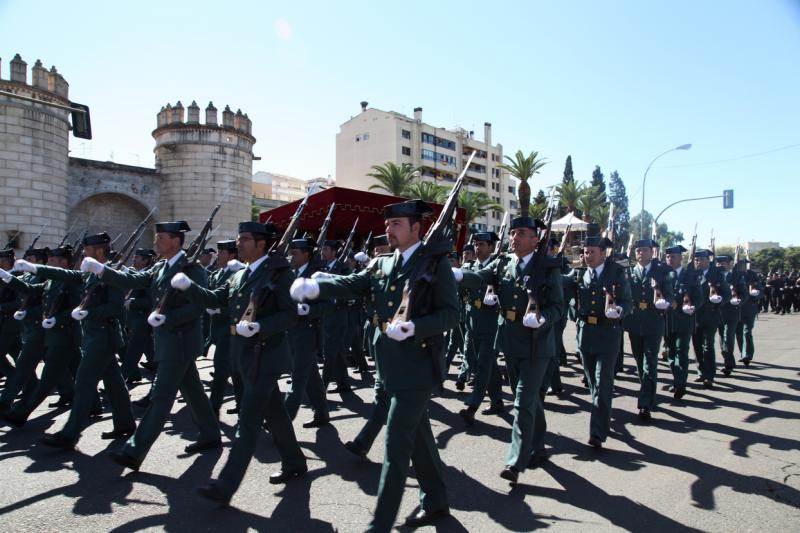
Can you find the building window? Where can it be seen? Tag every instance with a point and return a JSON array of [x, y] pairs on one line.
[[406, 134], [406, 150], [358, 138], [429, 155], [365, 137], [438, 141], [511, 189], [513, 204]]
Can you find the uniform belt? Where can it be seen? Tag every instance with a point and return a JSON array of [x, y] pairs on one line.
[[599, 320], [511, 315], [233, 331]]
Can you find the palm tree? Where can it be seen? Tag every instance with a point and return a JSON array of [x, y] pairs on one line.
[[570, 193], [523, 168], [590, 201], [426, 191], [476, 204], [393, 178]]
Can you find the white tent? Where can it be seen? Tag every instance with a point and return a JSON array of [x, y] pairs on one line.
[[575, 223]]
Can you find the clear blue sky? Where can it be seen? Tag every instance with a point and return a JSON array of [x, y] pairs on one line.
[[611, 83]]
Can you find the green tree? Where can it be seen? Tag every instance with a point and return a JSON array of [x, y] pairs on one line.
[[569, 176], [523, 168], [476, 204], [426, 191], [569, 195], [540, 198], [769, 259], [393, 178], [598, 180], [665, 236], [619, 198], [590, 201], [792, 258], [255, 211]]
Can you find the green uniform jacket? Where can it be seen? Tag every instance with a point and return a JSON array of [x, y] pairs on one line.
[[737, 285], [645, 318], [9, 303], [275, 316], [408, 364], [31, 303], [58, 301], [710, 315], [684, 284], [181, 335], [590, 300], [514, 339], [220, 323], [306, 333], [750, 305], [481, 319]]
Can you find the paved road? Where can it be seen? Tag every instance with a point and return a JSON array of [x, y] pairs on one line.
[[721, 460]]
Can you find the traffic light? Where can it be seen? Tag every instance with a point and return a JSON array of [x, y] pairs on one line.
[[81, 123], [727, 199]]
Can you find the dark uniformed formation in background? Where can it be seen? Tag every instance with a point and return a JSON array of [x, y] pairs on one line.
[[276, 304]]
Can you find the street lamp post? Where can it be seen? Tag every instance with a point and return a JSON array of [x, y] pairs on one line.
[[644, 181]]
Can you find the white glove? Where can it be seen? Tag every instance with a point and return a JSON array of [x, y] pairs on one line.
[[303, 289], [20, 315], [124, 269], [213, 312], [530, 321], [361, 257], [92, 265], [48, 323], [755, 293], [458, 274], [490, 300], [322, 275], [156, 319], [661, 304], [735, 301], [715, 298], [79, 314], [234, 265], [20, 265], [247, 329], [180, 281], [303, 309], [5, 276], [688, 309], [614, 312], [400, 331]]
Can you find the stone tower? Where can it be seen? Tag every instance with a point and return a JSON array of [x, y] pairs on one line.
[[34, 153], [202, 164]]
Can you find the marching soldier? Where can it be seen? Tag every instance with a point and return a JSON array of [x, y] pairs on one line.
[[10, 341], [603, 297], [731, 311], [260, 351], [305, 340], [62, 338], [651, 293], [28, 314], [483, 310], [708, 317], [525, 339], [749, 311], [409, 358], [219, 330], [178, 341], [138, 304], [687, 297], [98, 314], [335, 325], [552, 381]]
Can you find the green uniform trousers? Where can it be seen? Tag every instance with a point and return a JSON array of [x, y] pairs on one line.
[[645, 350], [261, 401], [223, 370], [677, 345], [9, 344], [744, 337], [58, 360], [377, 417], [727, 339], [173, 374], [306, 383], [24, 378], [530, 425], [703, 343], [599, 365], [487, 373], [408, 436]]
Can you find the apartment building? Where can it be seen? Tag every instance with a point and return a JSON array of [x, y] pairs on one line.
[[374, 137]]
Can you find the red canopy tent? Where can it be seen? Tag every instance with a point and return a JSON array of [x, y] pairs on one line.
[[351, 204]]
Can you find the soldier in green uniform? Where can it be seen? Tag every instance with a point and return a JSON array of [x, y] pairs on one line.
[[747, 320], [28, 314], [138, 305], [62, 338], [305, 340], [708, 317], [260, 351], [335, 325], [98, 314], [526, 339], [651, 293], [552, 379], [687, 298], [10, 341], [731, 311], [219, 327], [409, 358], [178, 341], [483, 310], [603, 297]]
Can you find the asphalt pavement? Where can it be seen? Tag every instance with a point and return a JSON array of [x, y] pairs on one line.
[[726, 459]]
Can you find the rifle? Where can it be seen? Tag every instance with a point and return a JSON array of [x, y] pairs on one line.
[[629, 251], [365, 246], [609, 232], [496, 253], [193, 255], [712, 245], [690, 270], [536, 281], [66, 235], [36, 239], [11, 240], [348, 245], [323, 234]]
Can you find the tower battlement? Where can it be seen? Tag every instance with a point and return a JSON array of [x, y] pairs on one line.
[[178, 116], [42, 80]]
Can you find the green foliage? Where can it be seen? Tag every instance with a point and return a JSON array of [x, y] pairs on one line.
[[665, 236], [540, 198], [590, 201], [598, 180], [523, 168], [255, 211], [569, 195], [783, 259], [619, 197], [426, 191], [476, 204], [569, 176], [392, 178]]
